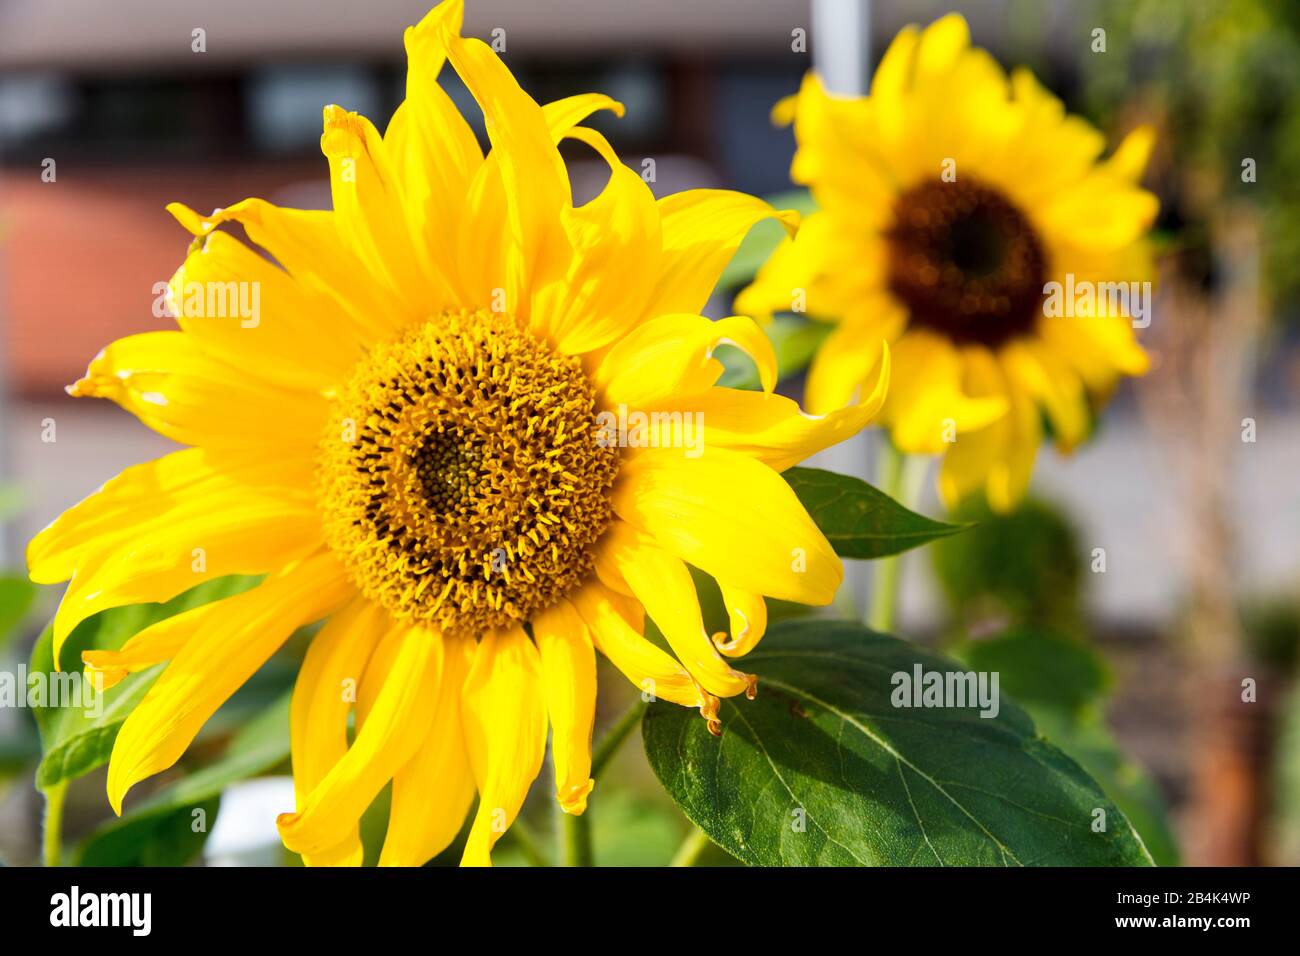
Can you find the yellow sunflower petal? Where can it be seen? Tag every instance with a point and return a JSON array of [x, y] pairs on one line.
[[167, 381], [532, 175], [569, 673], [157, 643], [251, 314], [702, 229], [435, 154], [307, 243], [504, 709], [664, 587], [747, 613], [231, 640], [434, 789], [162, 527], [773, 429], [370, 211], [398, 723], [323, 696], [651, 670], [844, 361], [671, 356], [615, 243], [926, 407], [756, 536], [1049, 379]]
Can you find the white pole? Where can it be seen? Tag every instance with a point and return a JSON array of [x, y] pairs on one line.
[[841, 44]]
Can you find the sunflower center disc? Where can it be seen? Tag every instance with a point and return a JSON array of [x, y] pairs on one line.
[[461, 476], [965, 262]]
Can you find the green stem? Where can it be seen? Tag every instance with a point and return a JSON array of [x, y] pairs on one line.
[[692, 848], [52, 840], [901, 478], [575, 831], [526, 840], [576, 846], [615, 736]]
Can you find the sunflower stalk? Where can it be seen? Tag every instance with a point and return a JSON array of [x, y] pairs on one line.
[[899, 476], [692, 849], [52, 838], [575, 831]]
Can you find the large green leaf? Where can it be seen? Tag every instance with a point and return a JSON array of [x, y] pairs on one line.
[[858, 520], [1062, 683], [822, 769], [161, 828], [77, 739]]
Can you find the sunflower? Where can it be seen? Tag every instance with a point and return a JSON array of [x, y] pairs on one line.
[[412, 437], [967, 219]]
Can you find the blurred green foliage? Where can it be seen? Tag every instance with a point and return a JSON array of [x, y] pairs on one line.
[[1017, 569], [1222, 80]]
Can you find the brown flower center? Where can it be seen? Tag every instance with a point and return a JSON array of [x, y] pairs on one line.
[[462, 476], [965, 262]]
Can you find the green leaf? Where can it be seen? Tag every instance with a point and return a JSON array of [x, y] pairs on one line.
[[77, 739], [871, 783], [168, 839], [163, 824], [16, 597], [858, 520], [1062, 683]]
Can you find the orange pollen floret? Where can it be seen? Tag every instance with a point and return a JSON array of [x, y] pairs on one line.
[[463, 477]]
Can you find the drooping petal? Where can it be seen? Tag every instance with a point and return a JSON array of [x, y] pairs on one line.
[[397, 725], [569, 672], [434, 789], [504, 709], [747, 613], [652, 671], [231, 640], [323, 696], [663, 585]]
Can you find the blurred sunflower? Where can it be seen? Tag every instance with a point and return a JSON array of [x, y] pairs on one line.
[[408, 442], [950, 199]]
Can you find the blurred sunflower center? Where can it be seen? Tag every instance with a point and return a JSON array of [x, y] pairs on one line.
[[462, 479], [965, 262]]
